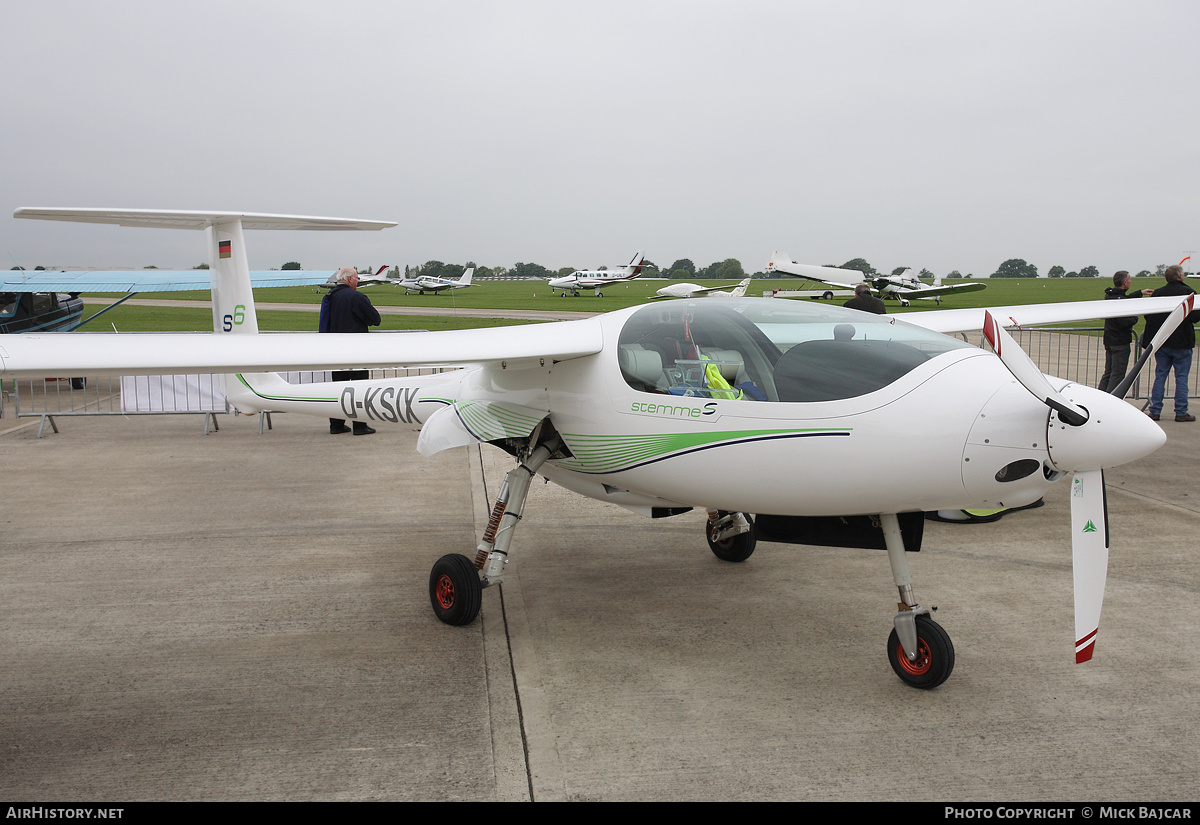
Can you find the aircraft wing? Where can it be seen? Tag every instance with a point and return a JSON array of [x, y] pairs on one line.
[[181, 219], [1029, 315], [944, 289], [711, 289], [82, 353], [838, 284], [147, 280], [832, 275]]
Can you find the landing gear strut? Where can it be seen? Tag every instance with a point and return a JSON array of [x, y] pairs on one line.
[[918, 648], [456, 583]]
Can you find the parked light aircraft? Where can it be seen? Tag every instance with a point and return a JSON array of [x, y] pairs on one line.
[[597, 279], [741, 406], [428, 283], [39, 312], [902, 287], [697, 291], [364, 279]]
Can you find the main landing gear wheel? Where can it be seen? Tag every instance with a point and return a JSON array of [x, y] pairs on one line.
[[455, 590], [828, 295], [734, 548], [935, 656]]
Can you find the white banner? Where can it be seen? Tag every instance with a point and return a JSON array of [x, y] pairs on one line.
[[173, 393]]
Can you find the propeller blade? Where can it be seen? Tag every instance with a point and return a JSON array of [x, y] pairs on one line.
[[1164, 332], [1027, 373], [1089, 556]]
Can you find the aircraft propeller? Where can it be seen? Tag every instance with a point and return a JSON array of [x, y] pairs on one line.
[[1085, 451], [1027, 373], [1089, 556]]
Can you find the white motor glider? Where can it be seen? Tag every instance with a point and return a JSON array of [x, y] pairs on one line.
[[685, 290], [777, 418]]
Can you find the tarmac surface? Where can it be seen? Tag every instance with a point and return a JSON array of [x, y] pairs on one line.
[[237, 616]]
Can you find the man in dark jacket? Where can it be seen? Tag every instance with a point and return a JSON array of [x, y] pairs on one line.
[[866, 302], [345, 309], [1175, 353], [1118, 334]]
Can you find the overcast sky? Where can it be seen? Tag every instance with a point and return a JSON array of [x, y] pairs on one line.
[[936, 135]]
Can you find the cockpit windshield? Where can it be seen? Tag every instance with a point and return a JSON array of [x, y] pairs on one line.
[[775, 350], [15, 305]]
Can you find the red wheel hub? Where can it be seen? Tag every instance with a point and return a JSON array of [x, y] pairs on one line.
[[919, 666], [444, 590]]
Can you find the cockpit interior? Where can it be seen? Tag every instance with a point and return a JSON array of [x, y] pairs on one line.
[[757, 351]]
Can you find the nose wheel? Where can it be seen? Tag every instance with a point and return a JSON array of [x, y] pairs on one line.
[[934, 660]]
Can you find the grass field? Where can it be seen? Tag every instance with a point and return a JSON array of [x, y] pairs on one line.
[[536, 295], [184, 319]]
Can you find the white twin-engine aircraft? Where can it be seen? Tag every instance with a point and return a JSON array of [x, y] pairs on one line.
[[784, 410], [365, 279], [903, 287], [428, 283], [597, 278]]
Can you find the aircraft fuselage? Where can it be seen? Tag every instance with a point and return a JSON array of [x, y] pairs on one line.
[[951, 430]]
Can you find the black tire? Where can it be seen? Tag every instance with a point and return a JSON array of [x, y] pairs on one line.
[[828, 296], [455, 590], [599, 294], [738, 548], [935, 658]]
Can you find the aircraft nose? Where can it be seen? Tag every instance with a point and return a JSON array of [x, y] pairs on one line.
[[1114, 434]]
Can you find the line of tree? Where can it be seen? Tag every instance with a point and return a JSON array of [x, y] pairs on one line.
[[729, 269]]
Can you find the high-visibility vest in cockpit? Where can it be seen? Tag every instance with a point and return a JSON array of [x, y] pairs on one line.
[[717, 385]]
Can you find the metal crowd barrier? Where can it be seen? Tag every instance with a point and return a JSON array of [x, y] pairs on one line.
[[52, 398], [1077, 354]]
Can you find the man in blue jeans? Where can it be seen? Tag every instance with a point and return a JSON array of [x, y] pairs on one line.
[[1175, 353]]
